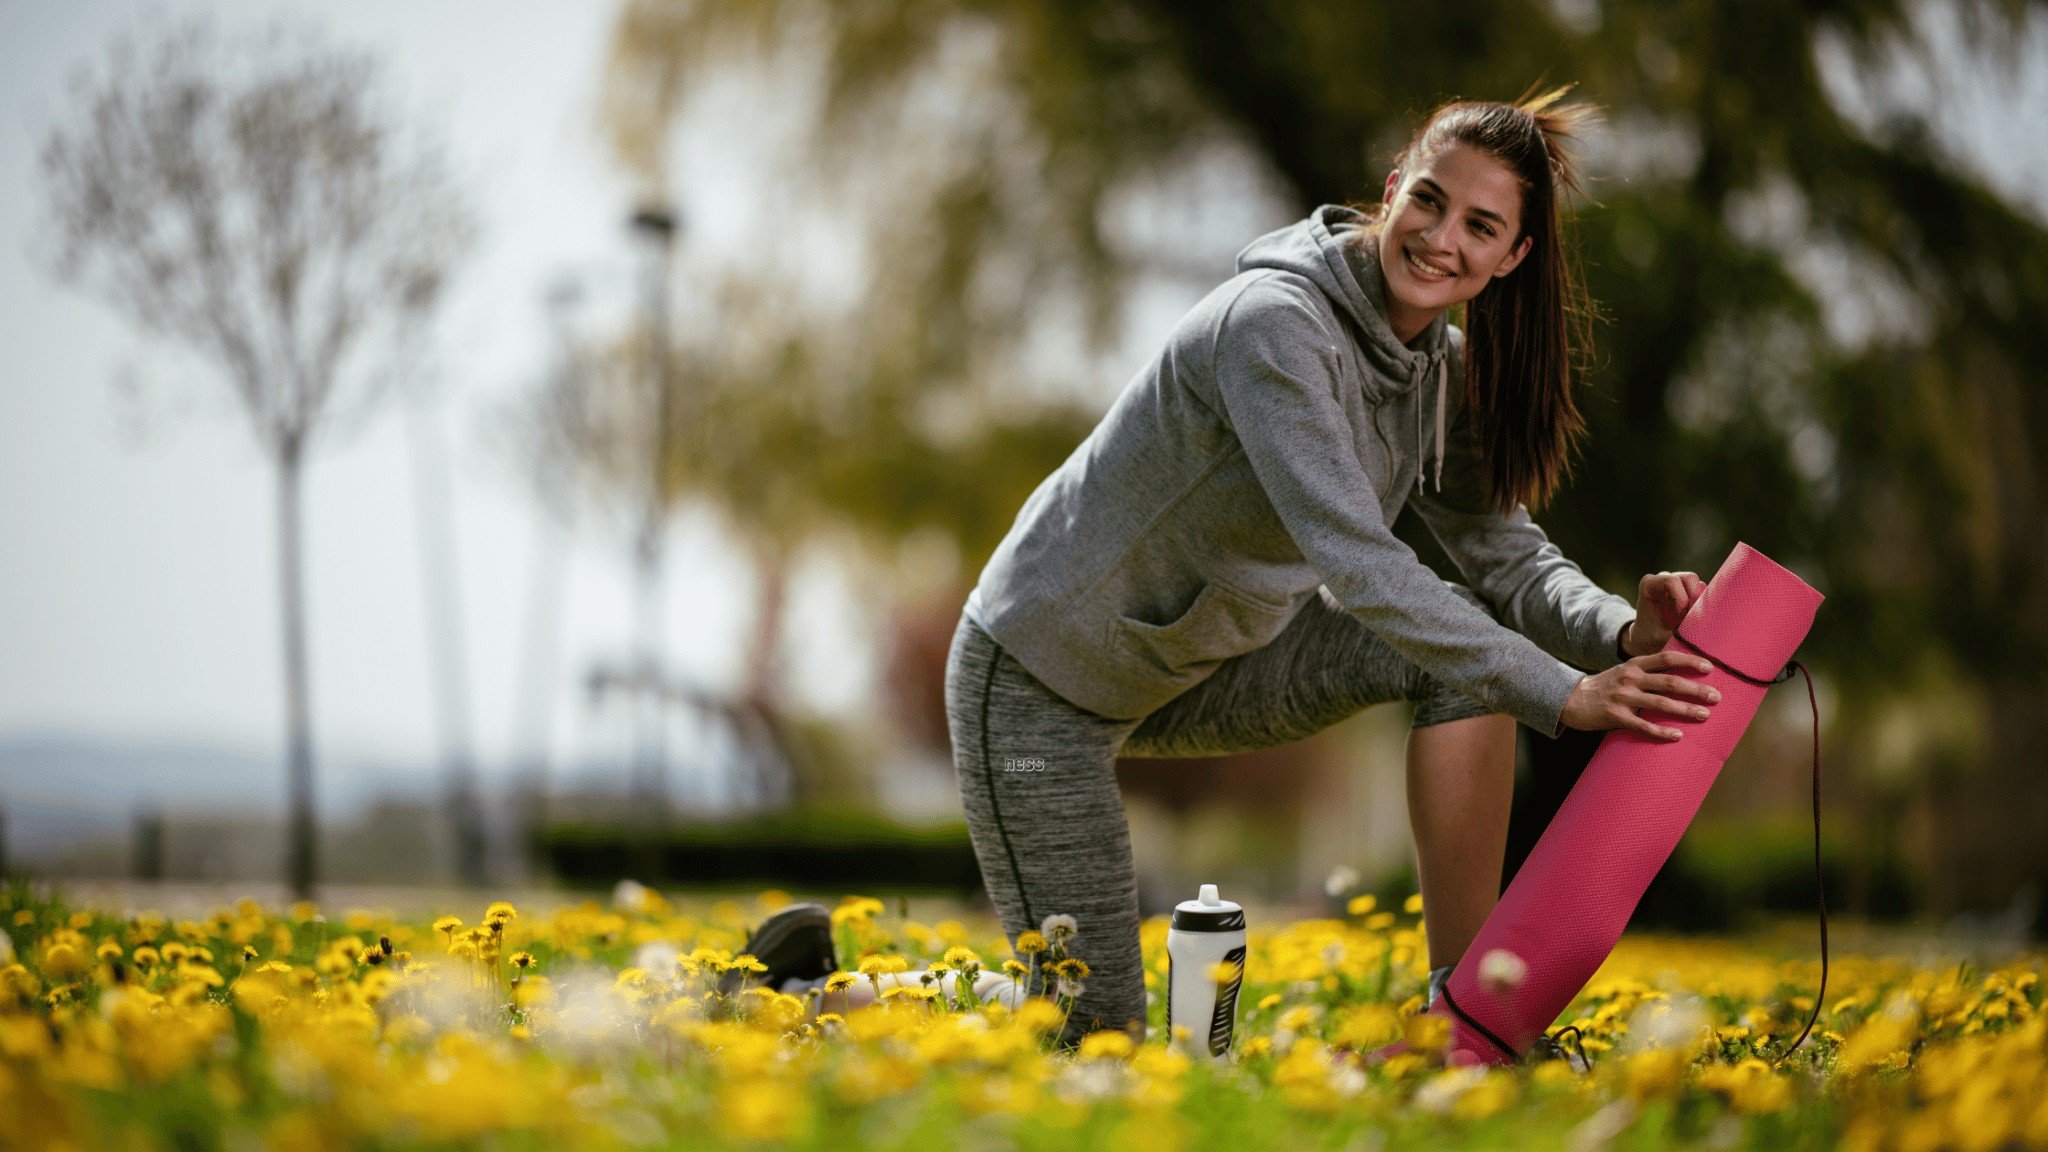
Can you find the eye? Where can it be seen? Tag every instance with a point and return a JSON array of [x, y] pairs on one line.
[[1483, 228]]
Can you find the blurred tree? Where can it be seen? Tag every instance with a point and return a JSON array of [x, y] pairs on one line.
[[248, 200], [1821, 324]]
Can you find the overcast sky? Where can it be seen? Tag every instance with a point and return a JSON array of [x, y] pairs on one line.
[[137, 580]]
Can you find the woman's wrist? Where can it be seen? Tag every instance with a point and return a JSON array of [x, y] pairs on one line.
[[1621, 640]]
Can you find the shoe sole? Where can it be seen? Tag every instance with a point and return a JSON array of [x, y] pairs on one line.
[[776, 931]]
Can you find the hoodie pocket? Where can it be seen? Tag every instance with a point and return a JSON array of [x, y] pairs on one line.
[[1223, 621]]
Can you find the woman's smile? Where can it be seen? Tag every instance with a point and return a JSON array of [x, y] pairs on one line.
[[1427, 270]]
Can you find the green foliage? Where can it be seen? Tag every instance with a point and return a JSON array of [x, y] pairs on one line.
[[833, 848], [1820, 328]]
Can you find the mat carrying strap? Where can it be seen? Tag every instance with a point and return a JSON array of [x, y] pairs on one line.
[[1819, 888]]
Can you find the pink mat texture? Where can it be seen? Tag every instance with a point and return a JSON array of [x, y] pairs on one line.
[[1570, 901]]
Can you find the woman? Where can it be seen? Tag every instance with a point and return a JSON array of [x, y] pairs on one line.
[[1212, 569]]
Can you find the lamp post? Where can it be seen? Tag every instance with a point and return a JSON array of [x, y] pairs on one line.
[[655, 227]]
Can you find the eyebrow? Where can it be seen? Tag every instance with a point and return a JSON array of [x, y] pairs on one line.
[[1439, 190]]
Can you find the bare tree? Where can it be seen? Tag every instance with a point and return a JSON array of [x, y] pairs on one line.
[[248, 199]]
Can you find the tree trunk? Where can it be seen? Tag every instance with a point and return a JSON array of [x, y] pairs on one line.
[[533, 727], [650, 709], [764, 649], [301, 829], [1998, 827], [434, 501], [777, 768]]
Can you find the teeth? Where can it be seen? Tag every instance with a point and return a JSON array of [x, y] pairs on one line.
[[1422, 269]]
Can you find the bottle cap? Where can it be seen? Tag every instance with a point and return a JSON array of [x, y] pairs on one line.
[[1208, 912]]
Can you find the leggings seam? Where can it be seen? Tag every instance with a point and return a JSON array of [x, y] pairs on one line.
[[995, 805]]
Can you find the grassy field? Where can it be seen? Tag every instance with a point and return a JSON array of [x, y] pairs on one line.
[[597, 1026]]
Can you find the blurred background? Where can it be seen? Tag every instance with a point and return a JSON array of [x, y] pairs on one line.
[[534, 445]]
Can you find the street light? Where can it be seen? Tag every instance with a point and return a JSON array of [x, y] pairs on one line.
[[655, 226]]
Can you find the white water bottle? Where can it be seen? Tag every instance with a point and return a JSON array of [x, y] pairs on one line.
[[1201, 1014]]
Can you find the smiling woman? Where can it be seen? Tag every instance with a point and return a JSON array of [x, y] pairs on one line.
[[1213, 571]]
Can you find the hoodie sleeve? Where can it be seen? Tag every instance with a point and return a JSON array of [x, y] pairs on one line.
[[1509, 561], [1275, 363]]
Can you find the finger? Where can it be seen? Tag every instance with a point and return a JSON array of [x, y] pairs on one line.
[[1681, 592], [1635, 723], [1671, 658], [1666, 705], [1681, 687], [1694, 586], [1672, 588]]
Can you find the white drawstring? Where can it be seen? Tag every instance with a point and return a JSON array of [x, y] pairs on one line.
[[1418, 436], [1443, 377]]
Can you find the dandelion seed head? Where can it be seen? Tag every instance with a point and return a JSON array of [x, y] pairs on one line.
[[1341, 879]]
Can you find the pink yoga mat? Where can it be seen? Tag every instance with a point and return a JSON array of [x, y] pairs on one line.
[[1570, 901]]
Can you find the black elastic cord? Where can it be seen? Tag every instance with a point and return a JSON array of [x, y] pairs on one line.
[[1820, 891], [1506, 1048], [1553, 1039], [1819, 887], [1580, 1062]]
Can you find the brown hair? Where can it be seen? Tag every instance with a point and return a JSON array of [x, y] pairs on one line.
[[1526, 331]]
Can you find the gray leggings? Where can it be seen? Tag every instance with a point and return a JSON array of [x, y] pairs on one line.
[[1038, 781]]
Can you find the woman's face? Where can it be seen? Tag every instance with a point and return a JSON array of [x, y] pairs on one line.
[[1451, 226]]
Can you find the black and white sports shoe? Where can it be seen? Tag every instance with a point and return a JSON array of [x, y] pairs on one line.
[[795, 943], [1438, 977]]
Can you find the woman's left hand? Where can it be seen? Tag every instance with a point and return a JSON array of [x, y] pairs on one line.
[[1661, 604]]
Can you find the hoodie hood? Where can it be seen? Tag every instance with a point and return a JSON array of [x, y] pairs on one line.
[[1325, 248]]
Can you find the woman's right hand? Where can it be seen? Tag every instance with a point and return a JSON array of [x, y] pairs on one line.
[[1610, 699]]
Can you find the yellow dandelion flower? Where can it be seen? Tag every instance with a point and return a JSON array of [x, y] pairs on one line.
[[1426, 1033], [961, 956], [840, 981], [1412, 905], [62, 960], [1361, 905], [522, 960], [761, 1110], [1031, 941], [1107, 1044], [448, 925], [857, 909]]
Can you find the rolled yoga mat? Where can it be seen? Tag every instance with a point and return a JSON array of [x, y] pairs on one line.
[[1571, 899]]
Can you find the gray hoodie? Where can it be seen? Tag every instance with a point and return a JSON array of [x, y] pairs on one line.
[[1259, 460]]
